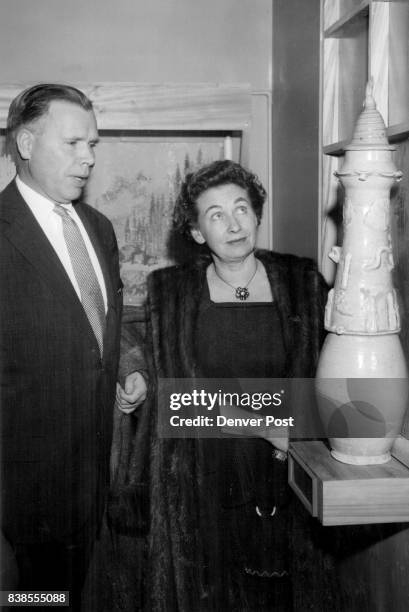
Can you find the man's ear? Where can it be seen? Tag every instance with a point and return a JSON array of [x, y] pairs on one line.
[[24, 142], [197, 235]]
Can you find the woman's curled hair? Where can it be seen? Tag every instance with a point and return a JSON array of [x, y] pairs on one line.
[[215, 174]]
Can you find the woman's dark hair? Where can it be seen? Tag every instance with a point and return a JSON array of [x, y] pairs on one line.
[[33, 103], [221, 172]]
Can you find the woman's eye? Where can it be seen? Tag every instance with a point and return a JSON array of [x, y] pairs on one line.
[[216, 216], [242, 209]]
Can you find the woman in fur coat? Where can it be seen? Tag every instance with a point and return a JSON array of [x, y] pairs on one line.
[[218, 508]]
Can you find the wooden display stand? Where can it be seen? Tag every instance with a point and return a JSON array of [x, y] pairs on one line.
[[341, 494]]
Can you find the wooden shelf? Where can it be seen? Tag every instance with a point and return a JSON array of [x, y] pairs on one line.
[[336, 148], [341, 494], [400, 131], [346, 25], [395, 133]]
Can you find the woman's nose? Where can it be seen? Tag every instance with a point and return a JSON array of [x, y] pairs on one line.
[[233, 225]]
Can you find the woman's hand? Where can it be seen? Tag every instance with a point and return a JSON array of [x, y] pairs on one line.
[[280, 443], [268, 433]]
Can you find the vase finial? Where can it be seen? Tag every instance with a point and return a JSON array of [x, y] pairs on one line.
[[369, 103], [370, 131]]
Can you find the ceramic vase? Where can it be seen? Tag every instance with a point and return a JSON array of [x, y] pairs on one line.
[[361, 380]]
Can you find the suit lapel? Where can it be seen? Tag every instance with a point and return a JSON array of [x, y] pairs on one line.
[[22, 229]]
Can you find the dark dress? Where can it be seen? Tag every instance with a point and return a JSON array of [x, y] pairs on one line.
[[247, 487]]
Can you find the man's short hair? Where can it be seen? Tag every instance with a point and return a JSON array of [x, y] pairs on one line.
[[33, 103]]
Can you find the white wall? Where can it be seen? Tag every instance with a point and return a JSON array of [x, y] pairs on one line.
[[136, 40]]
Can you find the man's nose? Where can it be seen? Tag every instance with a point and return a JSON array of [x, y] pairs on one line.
[[87, 156]]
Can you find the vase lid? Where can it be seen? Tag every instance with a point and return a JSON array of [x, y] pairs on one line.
[[370, 131]]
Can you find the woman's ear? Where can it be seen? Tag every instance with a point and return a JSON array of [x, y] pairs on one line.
[[24, 143], [197, 235]]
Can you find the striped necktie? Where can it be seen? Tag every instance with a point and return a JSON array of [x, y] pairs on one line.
[[91, 294]]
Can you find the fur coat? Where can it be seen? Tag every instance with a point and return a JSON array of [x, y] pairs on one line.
[[172, 471]]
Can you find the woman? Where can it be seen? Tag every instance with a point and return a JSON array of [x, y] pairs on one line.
[[218, 520]]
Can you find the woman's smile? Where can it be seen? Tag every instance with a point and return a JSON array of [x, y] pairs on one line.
[[237, 240]]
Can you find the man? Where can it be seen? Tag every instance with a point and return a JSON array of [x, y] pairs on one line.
[[60, 308]]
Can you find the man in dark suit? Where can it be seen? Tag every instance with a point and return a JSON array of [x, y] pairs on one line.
[[60, 309]]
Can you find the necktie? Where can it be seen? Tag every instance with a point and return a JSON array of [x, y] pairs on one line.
[[91, 295]]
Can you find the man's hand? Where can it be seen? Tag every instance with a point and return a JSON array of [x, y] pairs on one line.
[[133, 394]]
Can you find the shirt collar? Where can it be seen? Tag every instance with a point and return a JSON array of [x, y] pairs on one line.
[[38, 203]]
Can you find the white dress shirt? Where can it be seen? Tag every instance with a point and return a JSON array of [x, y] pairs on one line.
[[51, 224]]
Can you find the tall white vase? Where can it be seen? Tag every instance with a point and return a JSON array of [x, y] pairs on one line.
[[362, 377]]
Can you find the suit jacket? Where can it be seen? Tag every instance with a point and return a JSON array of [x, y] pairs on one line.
[[56, 391]]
